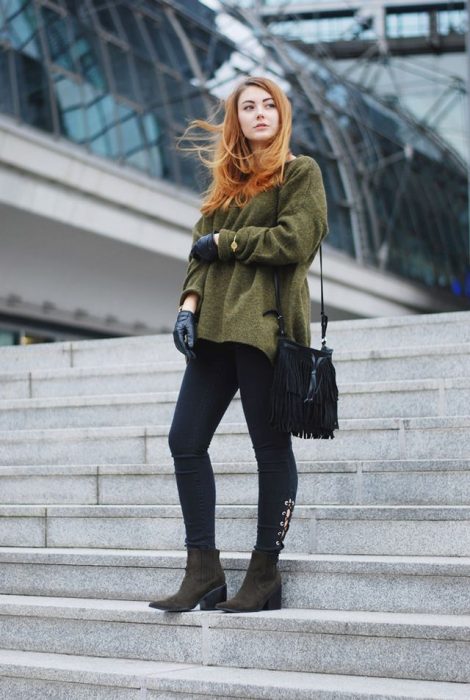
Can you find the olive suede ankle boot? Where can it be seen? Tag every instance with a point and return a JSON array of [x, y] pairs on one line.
[[203, 583], [261, 588]]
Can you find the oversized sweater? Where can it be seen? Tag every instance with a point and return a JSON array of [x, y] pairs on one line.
[[282, 227]]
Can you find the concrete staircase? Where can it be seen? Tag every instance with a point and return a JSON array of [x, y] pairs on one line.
[[376, 568]]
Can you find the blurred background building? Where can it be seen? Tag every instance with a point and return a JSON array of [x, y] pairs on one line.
[[97, 204]]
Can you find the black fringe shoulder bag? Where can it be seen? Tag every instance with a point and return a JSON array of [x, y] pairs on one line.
[[304, 394]]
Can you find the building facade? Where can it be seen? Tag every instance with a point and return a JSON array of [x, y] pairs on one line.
[[97, 203]]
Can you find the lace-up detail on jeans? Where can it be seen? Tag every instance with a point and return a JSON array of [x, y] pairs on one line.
[[287, 515]]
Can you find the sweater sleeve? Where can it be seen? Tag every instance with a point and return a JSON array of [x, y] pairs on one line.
[[197, 271], [302, 225]]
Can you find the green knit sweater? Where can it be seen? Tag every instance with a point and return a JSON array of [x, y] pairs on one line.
[[283, 227]]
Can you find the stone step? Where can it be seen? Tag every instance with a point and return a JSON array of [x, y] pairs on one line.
[[374, 482], [431, 397], [382, 530], [323, 581], [397, 645], [374, 334], [387, 364], [399, 331], [36, 675], [357, 439]]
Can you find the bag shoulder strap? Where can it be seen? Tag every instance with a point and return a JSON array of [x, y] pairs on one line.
[[278, 310]]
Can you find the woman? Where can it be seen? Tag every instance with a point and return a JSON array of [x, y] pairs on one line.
[[265, 207]]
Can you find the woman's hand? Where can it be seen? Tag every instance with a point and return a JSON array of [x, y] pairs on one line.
[[184, 333], [206, 248]]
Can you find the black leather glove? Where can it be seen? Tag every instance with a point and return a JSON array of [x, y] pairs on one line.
[[184, 333], [205, 249]]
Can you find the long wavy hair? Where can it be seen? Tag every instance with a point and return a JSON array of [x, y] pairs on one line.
[[239, 173]]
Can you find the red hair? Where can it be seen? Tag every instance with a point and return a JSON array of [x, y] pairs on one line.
[[237, 172]]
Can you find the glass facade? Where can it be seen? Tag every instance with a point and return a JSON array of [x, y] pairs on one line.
[[114, 77], [122, 80], [406, 204]]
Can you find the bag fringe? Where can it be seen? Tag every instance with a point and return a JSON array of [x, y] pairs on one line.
[[304, 393]]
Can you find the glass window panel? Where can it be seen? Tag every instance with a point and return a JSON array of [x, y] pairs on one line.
[[56, 32], [151, 128], [105, 16], [148, 82], [132, 137], [34, 93], [139, 159], [131, 29], [22, 29], [8, 337], [101, 120], [406, 24], [153, 137], [135, 147], [166, 44], [72, 114], [322, 29], [88, 59], [175, 89], [196, 105], [123, 79], [6, 87], [452, 21]]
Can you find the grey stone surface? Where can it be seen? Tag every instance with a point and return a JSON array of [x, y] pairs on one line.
[[362, 400], [399, 331], [364, 643], [424, 488], [332, 653], [404, 439], [366, 400], [51, 488], [319, 581], [95, 628], [407, 363], [301, 686], [22, 526], [73, 446], [107, 380], [388, 403], [85, 412], [383, 367], [40, 356], [188, 681], [15, 386], [381, 333], [407, 537], [37, 689], [125, 351], [396, 482], [158, 527], [234, 489], [368, 439], [388, 530], [140, 641]]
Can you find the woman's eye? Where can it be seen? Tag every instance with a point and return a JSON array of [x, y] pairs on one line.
[[251, 106]]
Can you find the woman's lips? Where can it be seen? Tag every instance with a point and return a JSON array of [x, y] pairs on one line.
[[261, 126]]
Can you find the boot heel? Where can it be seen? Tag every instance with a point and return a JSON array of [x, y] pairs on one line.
[[274, 602], [218, 595]]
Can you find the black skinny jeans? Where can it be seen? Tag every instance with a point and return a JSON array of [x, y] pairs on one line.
[[209, 384]]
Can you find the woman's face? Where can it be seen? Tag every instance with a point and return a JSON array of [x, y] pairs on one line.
[[256, 107]]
